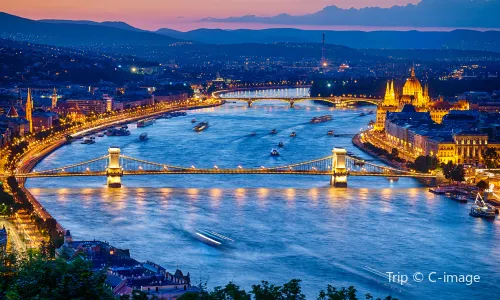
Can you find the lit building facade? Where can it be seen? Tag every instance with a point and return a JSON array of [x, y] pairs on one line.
[[413, 93]]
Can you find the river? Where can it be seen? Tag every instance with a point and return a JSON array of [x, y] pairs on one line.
[[284, 227]]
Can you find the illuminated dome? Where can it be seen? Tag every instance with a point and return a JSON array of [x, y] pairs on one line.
[[412, 85]]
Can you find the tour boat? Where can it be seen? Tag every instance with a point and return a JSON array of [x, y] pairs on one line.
[[293, 134], [481, 210], [275, 152], [459, 197], [392, 178], [330, 132], [117, 132], [212, 238], [88, 140], [281, 145], [143, 136], [201, 126], [145, 122], [193, 121], [274, 131], [321, 119]]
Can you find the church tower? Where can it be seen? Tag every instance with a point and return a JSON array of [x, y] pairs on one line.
[[29, 109], [54, 98]]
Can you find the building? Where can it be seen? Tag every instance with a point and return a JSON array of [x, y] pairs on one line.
[[29, 110], [413, 93], [89, 106]]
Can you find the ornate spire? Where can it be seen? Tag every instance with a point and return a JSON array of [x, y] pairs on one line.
[[54, 98], [29, 109], [413, 71]]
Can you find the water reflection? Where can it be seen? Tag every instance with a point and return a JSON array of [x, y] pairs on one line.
[[284, 226]]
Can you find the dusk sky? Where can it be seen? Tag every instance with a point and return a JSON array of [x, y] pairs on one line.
[[154, 14]]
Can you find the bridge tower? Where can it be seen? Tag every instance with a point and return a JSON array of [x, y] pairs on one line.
[[339, 170], [114, 172]]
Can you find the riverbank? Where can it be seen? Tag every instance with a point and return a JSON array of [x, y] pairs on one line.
[[32, 157]]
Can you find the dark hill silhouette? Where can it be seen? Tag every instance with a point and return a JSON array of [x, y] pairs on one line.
[[71, 34]]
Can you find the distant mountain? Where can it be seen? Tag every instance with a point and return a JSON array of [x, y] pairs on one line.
[[427, 13], [114, 24], [457, 39], [79, 33]]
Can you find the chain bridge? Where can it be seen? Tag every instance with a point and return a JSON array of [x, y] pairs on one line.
[[338, 166]]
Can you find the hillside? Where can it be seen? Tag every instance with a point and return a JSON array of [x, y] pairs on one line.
[[76, 34]]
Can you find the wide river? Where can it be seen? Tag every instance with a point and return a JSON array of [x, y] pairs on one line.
[[284, 227]]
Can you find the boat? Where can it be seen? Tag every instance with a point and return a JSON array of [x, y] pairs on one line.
[[293, 134], [100, 134], [459, 197], [274, 131], [143, 136], [117, 132], [145, 122], [330, 132], [193, 121], [275, 152], [321, 119], [481, 210], [212, 238], [371, 112], [281, 145], [362, 114], [88, 140], [200, 126], [253, 134], [124, 126], [182, 113], [392, 178]]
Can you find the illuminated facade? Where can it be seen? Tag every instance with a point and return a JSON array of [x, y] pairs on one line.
[[29, 110], [54, 99], [413, 93]]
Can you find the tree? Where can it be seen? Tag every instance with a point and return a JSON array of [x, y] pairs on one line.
[[230, 292], [292, 290], [424, 164], [266, 291], [491, 158], [482, 185], [458, 173], [395, 153], [39, 278]]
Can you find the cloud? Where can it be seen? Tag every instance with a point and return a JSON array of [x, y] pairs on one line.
[[427, 13]]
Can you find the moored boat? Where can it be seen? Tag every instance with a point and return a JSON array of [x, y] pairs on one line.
[[117, 132], [459, 197], [145, 122], [481, 210], [275, 152], [88, 140]]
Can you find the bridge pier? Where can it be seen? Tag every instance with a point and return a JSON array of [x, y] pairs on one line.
[[114, 172], [339, 170], [292, 103], [249, 103]]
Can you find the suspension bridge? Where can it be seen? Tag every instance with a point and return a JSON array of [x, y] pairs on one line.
[[338, 166]]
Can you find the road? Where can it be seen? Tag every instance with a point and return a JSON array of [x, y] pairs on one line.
[[15, 240]]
